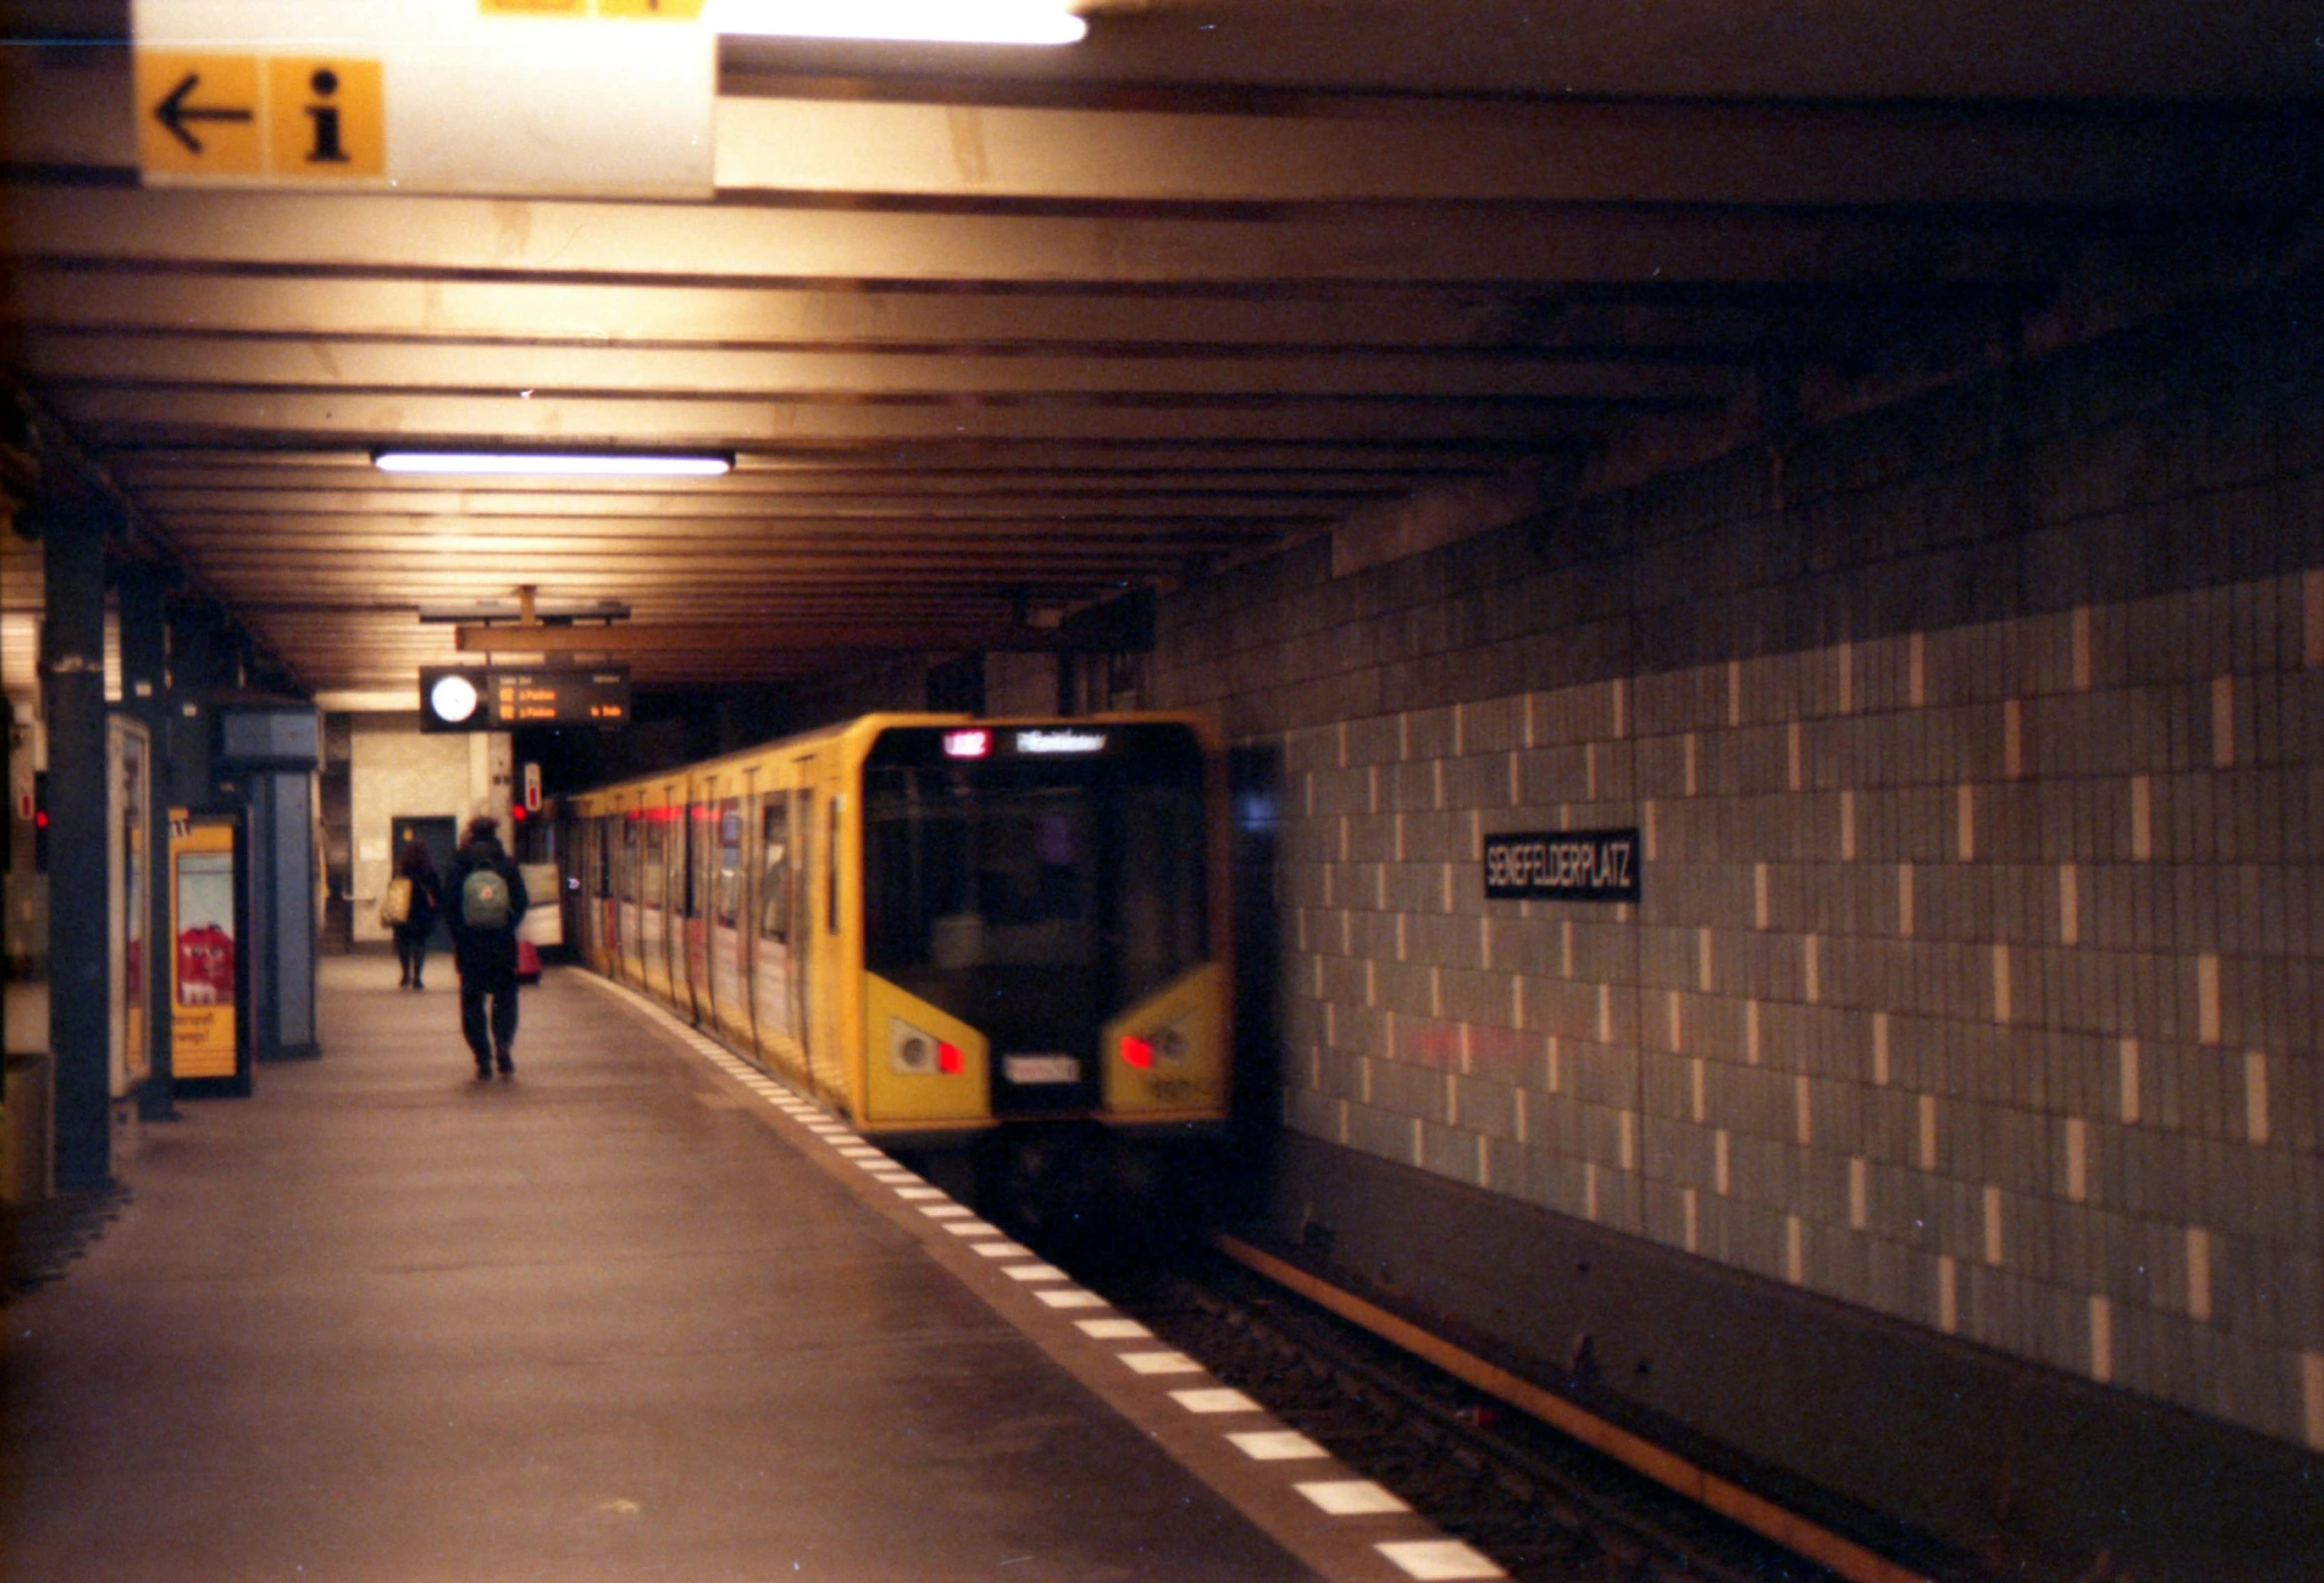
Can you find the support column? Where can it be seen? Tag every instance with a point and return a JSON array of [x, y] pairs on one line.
[[145, 691], [72, 673]]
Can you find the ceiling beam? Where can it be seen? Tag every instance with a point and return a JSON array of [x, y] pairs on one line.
[[199, 506], [73, 110], [707, 243], [312, 363], [153, 414], [1368, 149], [623, 639]]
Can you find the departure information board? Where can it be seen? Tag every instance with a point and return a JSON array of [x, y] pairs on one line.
[[490, 698]]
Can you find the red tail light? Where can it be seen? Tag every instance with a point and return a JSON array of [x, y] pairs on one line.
[[949, 1059], [1138, 1053]]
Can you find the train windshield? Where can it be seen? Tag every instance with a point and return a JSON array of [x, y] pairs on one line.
[[1032, 887]]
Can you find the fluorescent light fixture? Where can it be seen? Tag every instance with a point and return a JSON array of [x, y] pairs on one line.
[[558, 464], [901, 21]]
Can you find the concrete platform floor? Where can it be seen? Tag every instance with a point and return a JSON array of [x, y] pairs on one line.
[[613, 1318]]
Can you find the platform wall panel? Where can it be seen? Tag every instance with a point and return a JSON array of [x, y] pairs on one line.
[[1976, 747]]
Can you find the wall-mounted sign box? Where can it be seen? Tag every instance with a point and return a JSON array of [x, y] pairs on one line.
[[449, 96], [1563, 866], [476, 698]]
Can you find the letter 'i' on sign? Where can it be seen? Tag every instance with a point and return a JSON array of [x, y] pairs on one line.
[[325, 118]]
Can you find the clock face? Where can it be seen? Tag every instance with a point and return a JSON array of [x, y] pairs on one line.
[[453, 699]]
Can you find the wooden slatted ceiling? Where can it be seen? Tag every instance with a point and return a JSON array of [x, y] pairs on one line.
[[1022, 333]]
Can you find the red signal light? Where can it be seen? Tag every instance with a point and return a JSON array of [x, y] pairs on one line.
[[516, 812], [1138, 1053], [949, 1059]]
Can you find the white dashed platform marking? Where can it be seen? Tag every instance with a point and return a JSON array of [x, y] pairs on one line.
[[1431, 1559], [1070, 1297], [1351, 1497], [1428, 1560], [1277, 1445], [1218, 1400]]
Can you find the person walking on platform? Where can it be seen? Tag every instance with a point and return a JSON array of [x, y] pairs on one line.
[[484, 900], [423, 903]]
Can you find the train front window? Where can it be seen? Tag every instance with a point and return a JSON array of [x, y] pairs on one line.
[[1084, 877]]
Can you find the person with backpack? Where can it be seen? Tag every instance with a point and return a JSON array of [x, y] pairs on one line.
[[484, 900], [424, 903]]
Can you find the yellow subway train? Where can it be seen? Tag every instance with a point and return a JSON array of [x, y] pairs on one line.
[[945, 928]]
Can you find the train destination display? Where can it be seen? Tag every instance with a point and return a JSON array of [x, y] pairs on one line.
[[490, 697], [1563, 866]]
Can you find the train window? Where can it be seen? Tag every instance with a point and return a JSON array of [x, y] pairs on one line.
[[774, 867], [604, 845], [727, 891], [976, 875], [692, 814]]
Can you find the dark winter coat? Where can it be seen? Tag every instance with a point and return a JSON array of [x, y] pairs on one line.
[[485, 957]]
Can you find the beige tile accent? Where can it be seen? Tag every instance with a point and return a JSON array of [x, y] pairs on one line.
[[2199, 1274]]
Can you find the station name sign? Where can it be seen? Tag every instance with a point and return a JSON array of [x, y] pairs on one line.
[[473, 697], [1563, 866]]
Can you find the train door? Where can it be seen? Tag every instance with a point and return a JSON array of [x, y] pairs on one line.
[[653, 895], [811, 964], [831, 1052], [631, 927], [722, 860], [779, 962], [699, 850], [604, 917]]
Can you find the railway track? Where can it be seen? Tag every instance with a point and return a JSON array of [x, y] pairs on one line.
[[1543, 1508]]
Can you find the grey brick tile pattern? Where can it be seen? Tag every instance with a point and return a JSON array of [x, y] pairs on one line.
[[1980, 961]]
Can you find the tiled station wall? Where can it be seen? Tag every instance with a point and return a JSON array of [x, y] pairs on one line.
[[1978, 756]]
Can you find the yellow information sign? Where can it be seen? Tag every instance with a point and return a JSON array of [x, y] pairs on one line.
[[203, 1035], [288, 118], [498, 98], [198, 114], [326, 118]]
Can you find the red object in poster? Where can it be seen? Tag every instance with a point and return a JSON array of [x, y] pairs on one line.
[[205, 967]]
